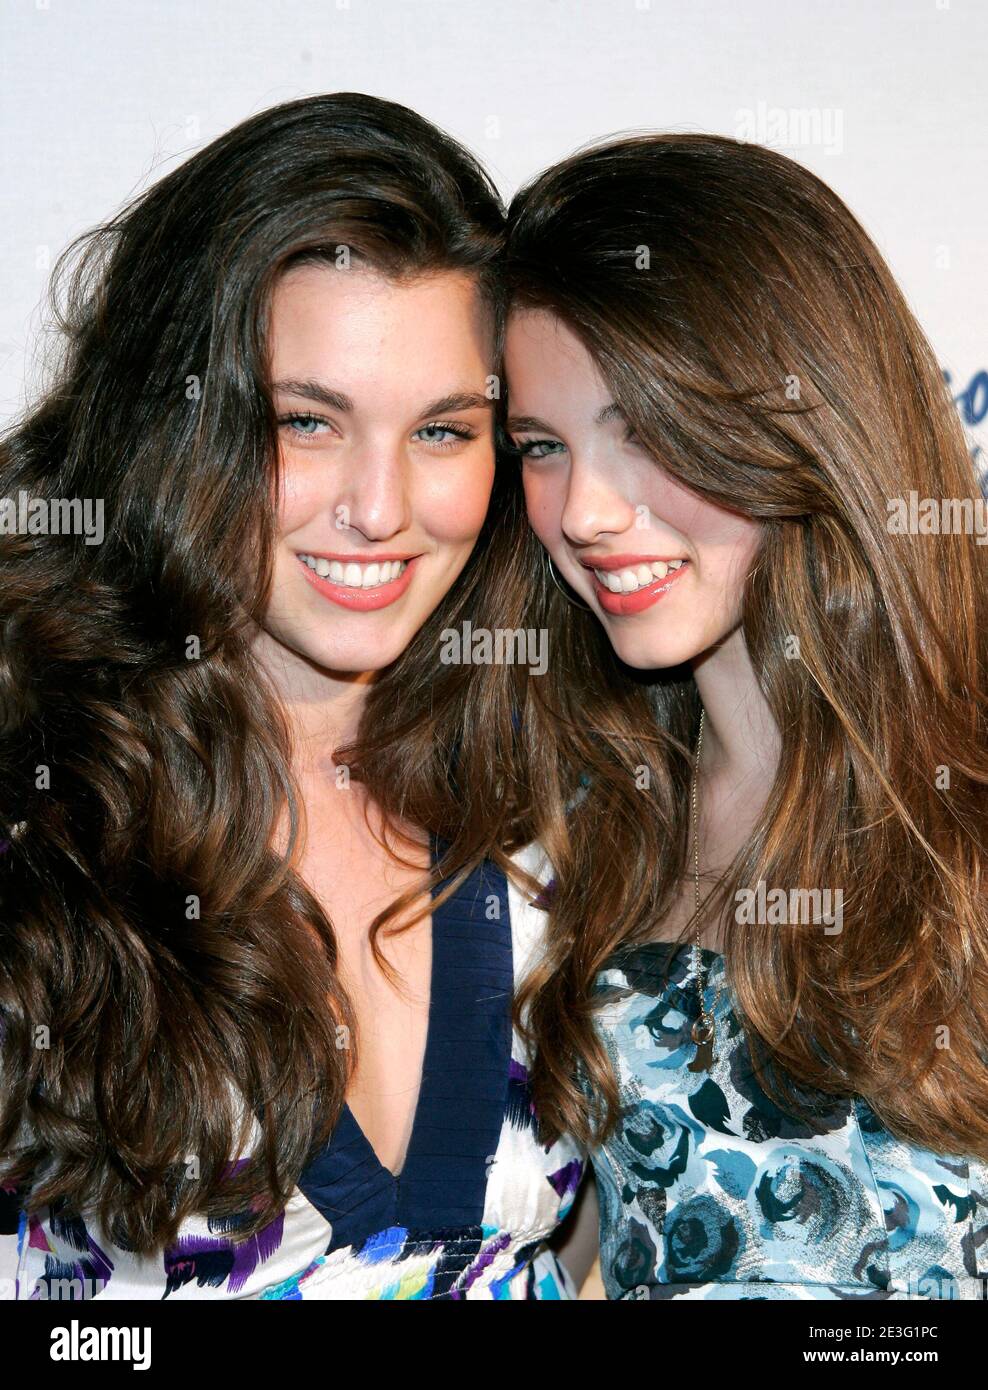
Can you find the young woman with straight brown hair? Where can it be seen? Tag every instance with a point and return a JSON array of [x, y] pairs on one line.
[[231, 757], [759, 755]]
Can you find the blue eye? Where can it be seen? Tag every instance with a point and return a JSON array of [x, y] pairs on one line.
[[453, 433], [540, 448], [438, 436], [299, 424]]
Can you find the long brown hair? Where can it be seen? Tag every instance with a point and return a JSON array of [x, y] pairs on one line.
[[159, 963], [759, 347]]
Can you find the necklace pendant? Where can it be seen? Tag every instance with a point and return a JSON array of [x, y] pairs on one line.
[[703, 1035]]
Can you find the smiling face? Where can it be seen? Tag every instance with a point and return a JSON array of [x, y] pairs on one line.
[[662, 568], [387, 454]]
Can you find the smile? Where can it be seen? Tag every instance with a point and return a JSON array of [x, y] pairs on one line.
[[623, 588], [360, 585]]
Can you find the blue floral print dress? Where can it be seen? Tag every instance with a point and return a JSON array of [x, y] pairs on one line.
[[469, 1215], [708, 1191]]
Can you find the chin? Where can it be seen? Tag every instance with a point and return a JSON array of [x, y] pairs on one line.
[[643, 655], [358, 659]]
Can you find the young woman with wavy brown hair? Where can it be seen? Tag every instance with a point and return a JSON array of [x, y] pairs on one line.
[[258, 927], [759, 755]]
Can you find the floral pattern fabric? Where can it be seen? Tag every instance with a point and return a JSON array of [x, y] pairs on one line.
[[708, 1190]]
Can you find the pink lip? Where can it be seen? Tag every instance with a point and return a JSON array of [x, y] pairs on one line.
[[361, 600], [624, 605]]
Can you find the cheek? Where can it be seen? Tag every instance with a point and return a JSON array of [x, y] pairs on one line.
[[298, 499], [744, 556], [544, 503], [452, 506], [731, 560], [745, 543]]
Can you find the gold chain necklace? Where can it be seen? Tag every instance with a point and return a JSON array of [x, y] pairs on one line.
[[704, 1029]]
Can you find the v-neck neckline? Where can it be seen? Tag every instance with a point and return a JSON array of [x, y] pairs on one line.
[[463, 1091], [359, 1135]]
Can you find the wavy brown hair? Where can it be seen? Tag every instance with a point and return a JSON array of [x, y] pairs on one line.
[[134, 781], [707, 277]]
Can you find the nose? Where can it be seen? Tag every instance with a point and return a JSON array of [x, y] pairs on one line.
[[375, 499], [593, 506]]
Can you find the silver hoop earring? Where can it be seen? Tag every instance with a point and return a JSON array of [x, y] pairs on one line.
[[567, 595]]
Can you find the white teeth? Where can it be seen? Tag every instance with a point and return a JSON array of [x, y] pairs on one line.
[[627, 581], [354, 576]]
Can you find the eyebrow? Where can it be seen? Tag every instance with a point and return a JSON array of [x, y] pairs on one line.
[[313, 390], [533, 424], [529, 422]]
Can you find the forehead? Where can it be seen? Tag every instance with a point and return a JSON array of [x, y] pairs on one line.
[[545, 359], [540, 328], [358, 317]]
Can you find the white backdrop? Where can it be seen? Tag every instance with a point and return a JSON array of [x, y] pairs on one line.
[[885, 99]]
